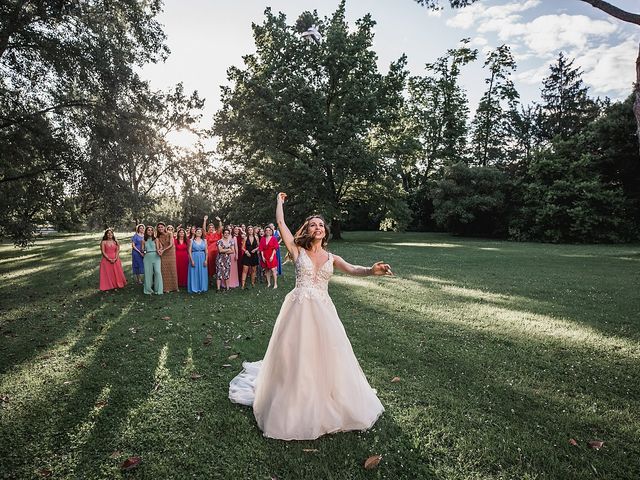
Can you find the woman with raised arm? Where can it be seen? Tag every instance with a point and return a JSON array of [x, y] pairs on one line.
[[309, 382]]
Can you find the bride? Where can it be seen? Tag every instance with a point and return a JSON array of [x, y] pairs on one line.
[[309, 382]]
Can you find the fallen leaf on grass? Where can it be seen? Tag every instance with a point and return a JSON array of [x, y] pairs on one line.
[[226, 365], [573, 442], [372, 462], [395, 379], [195, 376], [166, 318], [131, 463], [45, 472], [102, 403], [595, 444], [308, 450], [233, 357]]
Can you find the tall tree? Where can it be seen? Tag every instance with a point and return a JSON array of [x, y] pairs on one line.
[[300, 116], [491, 126], [439, 109], [57, 59], [130, 152], [566, 107]]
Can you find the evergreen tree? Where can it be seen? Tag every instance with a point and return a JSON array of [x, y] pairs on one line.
[[566, 107]]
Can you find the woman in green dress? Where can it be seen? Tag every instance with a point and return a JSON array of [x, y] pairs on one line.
[[152, 265]]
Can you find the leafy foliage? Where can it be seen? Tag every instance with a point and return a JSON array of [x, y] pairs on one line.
[[471, 200], [300, 117], [491, 126]]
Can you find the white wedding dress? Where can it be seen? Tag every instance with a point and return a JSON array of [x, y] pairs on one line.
[[309, 382]]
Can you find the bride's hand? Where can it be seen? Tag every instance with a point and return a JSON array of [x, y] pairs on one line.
[[281, 197], [380, 268]]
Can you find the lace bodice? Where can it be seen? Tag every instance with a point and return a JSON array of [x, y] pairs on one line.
[[308, 277]]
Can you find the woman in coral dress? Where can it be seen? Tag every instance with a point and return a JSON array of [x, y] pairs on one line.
[[309, 382], [181, 246], [111, 273]]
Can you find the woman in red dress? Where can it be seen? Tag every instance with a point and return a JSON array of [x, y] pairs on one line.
[[268, 247], [182, 257], [111, 273]]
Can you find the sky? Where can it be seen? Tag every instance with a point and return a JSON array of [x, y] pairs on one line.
[[208, 36]]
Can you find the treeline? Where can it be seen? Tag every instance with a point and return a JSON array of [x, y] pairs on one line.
[[84, 142], [400, 152]]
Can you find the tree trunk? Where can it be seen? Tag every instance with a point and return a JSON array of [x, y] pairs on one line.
[[636, 104], [336, 230]]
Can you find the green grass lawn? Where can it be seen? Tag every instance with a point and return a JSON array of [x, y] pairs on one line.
[[505, 352]]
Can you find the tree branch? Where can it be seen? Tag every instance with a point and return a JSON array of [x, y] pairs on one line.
[[614, 11], [13, 121], [52, 168]]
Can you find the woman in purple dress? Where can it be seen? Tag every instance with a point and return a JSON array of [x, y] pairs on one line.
[[137, 254]]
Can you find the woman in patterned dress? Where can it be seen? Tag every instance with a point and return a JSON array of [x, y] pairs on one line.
[[226, 250]]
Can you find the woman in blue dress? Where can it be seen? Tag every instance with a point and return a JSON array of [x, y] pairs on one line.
[[198, 277], [137, 254]]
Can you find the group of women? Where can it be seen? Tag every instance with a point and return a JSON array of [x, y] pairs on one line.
[[309, 382], [165, 259]]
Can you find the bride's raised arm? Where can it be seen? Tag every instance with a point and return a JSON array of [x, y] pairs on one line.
[[285, 233]]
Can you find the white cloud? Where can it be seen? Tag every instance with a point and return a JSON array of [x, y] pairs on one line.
[[610, 69], [478, 42], [606, 57], [548, 33], [533, 76], [478, 12], [606, 69]]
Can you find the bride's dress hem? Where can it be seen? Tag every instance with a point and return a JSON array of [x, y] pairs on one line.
[[309, 383]]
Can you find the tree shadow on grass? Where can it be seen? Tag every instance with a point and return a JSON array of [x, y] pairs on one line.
[[594, 291], [508, 400], [57, 421]]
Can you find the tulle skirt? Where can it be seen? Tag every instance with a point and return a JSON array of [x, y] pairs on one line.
[[309, 382]]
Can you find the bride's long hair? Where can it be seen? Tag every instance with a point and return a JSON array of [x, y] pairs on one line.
[[303, 239]]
